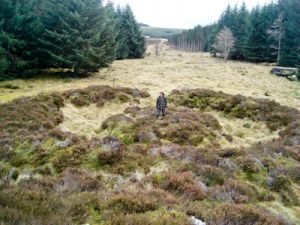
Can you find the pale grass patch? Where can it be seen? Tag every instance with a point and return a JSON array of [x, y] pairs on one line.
[[245, 132], [278, 208], [85, 121]]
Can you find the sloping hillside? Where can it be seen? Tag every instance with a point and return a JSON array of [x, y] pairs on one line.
[[158, 32]]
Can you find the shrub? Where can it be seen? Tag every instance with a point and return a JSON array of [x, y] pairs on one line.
[[100, 94], [211, 175], [65, 160], [294, 174], [76, 180], [116, 121], [232, 214], [132, 162], [156, 218], [29, 118], [181, 126], [248, 164], [113, 152], [132, 110], [127, 203], [234, 191], [184, 183], [279, 183], [21, 206], [275, 115]]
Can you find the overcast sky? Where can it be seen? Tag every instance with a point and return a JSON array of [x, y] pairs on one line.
[[181, 13]]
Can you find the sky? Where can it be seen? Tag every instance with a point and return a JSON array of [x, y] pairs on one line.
[[181, 13]]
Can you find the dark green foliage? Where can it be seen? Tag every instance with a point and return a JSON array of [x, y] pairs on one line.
[[259, 42], [131, 44], [290, 47], [77, 35], [250, 28], [19, 29], [80, 35]]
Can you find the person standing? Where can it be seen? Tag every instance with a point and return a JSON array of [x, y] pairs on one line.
[[161, 105]]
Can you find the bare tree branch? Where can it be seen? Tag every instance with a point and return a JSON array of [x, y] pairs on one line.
[[224, 42]]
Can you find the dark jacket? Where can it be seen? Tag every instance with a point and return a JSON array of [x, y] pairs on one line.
[[161, 102]]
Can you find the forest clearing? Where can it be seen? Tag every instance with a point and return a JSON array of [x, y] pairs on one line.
[[172, 70]]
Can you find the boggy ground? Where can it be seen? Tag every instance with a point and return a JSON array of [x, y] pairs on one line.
[[134, 169]]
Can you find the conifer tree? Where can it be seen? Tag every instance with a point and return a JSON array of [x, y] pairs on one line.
[[257, 43], [19, 28], [77, 35], [290, 52], [130, 39], [242, 32]]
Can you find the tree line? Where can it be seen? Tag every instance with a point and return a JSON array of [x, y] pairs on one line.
[[268, 33], [80, 35]]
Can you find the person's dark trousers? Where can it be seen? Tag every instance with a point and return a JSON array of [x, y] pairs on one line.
[[161, 112]]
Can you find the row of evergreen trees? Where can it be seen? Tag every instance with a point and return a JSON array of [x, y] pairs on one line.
[[265, 34], [81, 35]]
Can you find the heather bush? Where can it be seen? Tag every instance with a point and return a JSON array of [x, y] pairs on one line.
[[128, 203], [116, 121], [279, 183], [184, 184], [132, 162], [275, 115], [232, 214], [162, 217], [181, 126], [211, 175], [28, 118], [248, 164], [68, 158], [76, 180], [234, 191], [100, 94], [21, 206], [113, 151]]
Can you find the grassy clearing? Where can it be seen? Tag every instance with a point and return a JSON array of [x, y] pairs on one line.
[[174, 70]]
